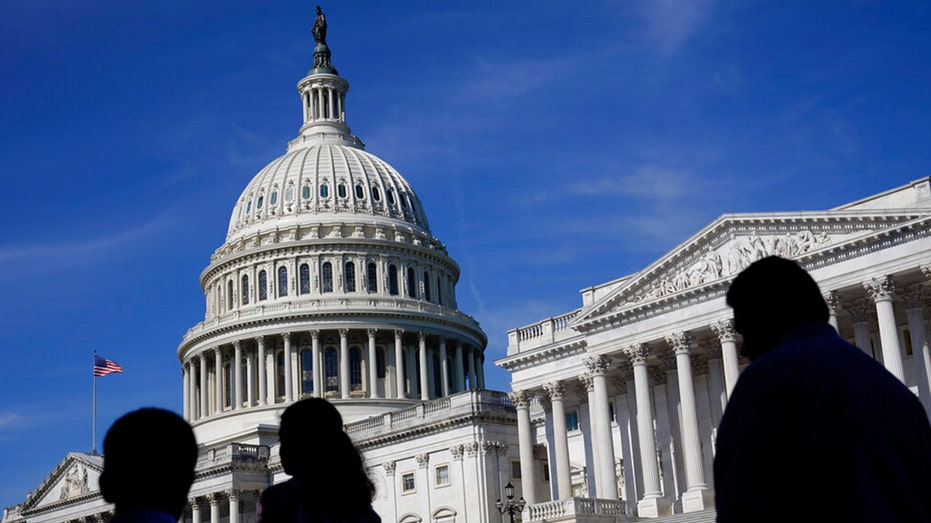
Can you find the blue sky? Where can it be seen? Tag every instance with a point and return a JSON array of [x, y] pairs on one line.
[[554, 146]]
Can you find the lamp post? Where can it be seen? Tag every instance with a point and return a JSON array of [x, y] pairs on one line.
[[510, 506]]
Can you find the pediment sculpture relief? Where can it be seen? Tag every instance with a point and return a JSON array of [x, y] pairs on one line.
[[75, 482]]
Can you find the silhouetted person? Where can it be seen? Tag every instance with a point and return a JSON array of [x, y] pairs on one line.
[[149, 457], [815, 430], [329, 483]]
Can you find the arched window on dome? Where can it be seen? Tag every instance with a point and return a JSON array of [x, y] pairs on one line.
[[390, 193], [259, 202], [355, 369], [341, 190], [245, 289], [350, 276], [289, 193], [307, 372], [392, 280], [331, 368], [305, 278], [305, 192], [426, 286], [282, 281], [230, 295], [411, 283], [376, 194], [372, 275], [324, 190], [273, 199], [360, 192], [263, 285], [249, 207], [326, 279]]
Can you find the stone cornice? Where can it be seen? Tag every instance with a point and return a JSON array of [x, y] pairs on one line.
[[549, 353]]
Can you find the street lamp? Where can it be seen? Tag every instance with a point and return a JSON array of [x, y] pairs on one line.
[[510, 506]]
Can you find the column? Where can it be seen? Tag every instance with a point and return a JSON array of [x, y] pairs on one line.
[[470, 361], [373, 365], [859, 313], [881, 290], [319, 388], [195, 510], [399, 362], [597, 367], [234, 505], [697, 496], [203, 387], [458, 369], [728, 337], [192, 390], [218, 380], [556, 391], [344, 363], [214, 499], [588, 382], [261, 391], [288, 368], [830, 298], [914, 296], [716, 388], [480, 370], [652, 503], [250, 378], [424, 375], [521, 400], [237, 375], [186, 393], [444, 369], [271, 369]]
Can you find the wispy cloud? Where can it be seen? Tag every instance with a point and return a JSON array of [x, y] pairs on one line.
[[11, 420], [670, 23]]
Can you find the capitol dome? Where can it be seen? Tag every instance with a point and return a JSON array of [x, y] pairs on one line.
[[329, 284]]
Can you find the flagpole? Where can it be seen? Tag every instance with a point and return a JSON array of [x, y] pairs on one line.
[[94, 423]]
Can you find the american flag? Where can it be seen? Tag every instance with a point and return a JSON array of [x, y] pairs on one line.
[[103, 367]]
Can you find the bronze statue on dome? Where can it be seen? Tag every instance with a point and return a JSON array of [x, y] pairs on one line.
[[319, 28]]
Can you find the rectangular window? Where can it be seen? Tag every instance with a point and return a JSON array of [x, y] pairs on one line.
[[442, 475], [572, 420], [515, 469], [407, 482]]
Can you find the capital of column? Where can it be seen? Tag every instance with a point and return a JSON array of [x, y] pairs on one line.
[[880, 289], [194, 501], [422, 460], [680, 342], [914, 295], [637, 353], [371, 332], [214, 498], [597, 365], [260, 340], [286, 336], [555, 390], [724, 330], [521, 398], [390, 467], [237, 344], [588, 381], [422, 336], [315, 334], [926, 270], [233, 493], [830, 297], [456, 451], [343, 333], [398, 333]]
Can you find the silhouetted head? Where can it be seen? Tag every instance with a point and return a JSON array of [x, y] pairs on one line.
[[307, 427], [149, 460], [769, 298]]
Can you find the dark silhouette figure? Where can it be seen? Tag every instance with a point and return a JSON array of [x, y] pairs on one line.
[[329, 483], [319, 28], [148, 466], [815, 430]]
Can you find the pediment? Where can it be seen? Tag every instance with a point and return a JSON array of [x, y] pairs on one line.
[[74, 478], [726, 246]]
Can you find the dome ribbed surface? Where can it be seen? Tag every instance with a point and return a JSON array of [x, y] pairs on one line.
[[323, 183]]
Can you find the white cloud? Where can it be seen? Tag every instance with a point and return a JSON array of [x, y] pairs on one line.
[[670, 23], [10, 420]]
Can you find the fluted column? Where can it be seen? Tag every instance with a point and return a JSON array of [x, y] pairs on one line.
[[218, 380], [830, 298], [697, 496], [237, 375], [588, 381], [470, 360], [192, 391], [250, 378], [195, 510], [271, 368], [444, 369], [399, 362], [317, 363], [521, 400], [214, 499], [186, 392], [728, 337], [652, 503], [373, 365], [288, 369], [480, 367], [597, 367], [859, 314], [881, 290], [914, 297], [344, 363], [458, 369], [424, 375], [261, 393], [556, 392], [234, 505], [203, 387]]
